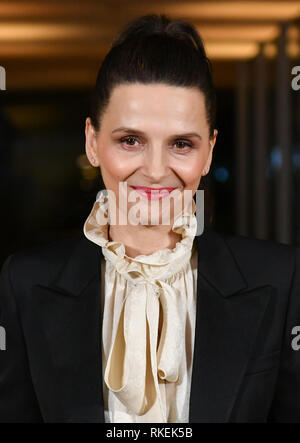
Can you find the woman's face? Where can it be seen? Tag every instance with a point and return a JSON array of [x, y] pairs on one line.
[[152, 136]]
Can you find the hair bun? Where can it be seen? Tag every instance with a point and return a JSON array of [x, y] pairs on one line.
[[142, 27], [160, 24]]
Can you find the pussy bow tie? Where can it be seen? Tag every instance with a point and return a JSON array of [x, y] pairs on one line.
[[135, 345]]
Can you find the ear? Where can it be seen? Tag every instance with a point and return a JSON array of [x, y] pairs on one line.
[[91, 143], [212, 142]]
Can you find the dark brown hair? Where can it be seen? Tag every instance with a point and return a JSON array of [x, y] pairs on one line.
[[155, 49]]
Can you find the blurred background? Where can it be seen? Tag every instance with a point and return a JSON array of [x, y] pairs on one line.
[[51, 52]]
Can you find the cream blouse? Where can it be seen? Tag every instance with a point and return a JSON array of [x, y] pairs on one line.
[[149, 310]]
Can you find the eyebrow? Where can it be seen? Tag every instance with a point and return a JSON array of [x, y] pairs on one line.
[[137, 131]]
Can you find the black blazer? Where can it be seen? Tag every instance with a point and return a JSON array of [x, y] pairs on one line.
[[244, 368]]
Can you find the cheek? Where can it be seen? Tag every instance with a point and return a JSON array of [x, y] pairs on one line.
[[114, 167], [190, 171]]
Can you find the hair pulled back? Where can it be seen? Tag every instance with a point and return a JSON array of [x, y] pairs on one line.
[[155, 49]]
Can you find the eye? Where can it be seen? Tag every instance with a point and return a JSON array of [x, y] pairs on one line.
[[129, 140], [183, 145]]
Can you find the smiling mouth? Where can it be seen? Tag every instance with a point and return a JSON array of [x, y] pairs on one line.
[[153, 193]]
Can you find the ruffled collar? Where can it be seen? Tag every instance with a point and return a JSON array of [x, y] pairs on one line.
[[160, 264]]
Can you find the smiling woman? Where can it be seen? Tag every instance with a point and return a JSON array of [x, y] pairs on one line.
[[168, 147], [152, 123], [148, 321]]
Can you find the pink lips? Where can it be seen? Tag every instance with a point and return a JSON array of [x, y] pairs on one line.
[[152, 193]]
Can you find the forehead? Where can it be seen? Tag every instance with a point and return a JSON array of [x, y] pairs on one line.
[[157, 104]]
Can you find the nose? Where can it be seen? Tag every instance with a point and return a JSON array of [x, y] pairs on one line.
[[155, 165]]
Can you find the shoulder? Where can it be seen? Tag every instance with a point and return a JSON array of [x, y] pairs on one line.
[[264, 251], [40, 263], [260, 261]]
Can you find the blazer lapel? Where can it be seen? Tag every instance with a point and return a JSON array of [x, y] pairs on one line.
[[227, 320], [67, 316]]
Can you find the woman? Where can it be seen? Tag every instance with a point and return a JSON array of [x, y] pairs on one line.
[[149, 321]]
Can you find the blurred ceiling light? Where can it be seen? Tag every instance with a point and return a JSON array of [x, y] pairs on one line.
[[247, 10], [256, 33], [293, 49], [231, 50], [46, 32], [53, 8], [45, 50], [91, 9], [270, 50], [293, 32], [50, 31]]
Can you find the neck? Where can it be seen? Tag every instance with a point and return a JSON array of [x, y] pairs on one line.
[[144, 240]]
